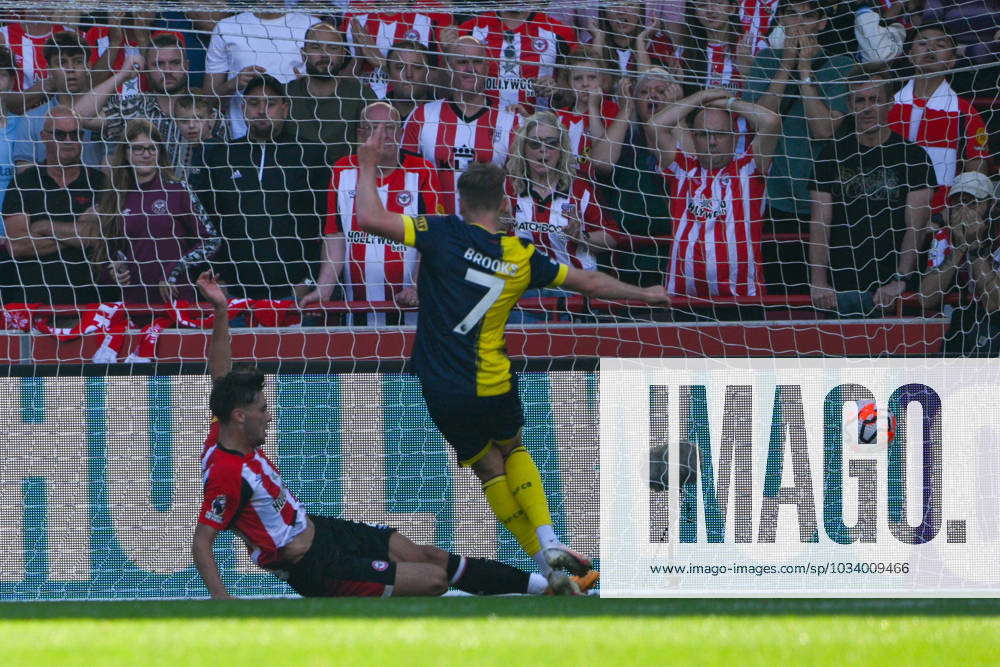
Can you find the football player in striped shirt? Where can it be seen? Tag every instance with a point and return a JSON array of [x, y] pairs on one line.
[[471, 275], [318, 556]]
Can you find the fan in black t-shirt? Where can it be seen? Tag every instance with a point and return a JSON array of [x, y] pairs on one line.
[[871, 199], [47, 234]]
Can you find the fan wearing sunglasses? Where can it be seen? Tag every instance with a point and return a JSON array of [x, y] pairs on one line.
[[550, 206], [48, 235]]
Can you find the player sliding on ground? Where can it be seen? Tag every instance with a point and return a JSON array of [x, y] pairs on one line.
[[471, 276], [318, 556]]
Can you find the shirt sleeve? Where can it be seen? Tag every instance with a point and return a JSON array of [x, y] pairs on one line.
[[332, 223], [920, 171], [977, 140], [13, 201], [430, 193], [425, 233], [761, 72], [545, 271], [206, 240], [411, 134], [27, 141], [826, 174], [216, 61], [223, 493]]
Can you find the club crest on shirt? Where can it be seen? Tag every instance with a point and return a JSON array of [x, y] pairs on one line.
[[411, 35], [404, 198], [160, 207], [380, 565], [217, 510], [540, 44], [279, 502]]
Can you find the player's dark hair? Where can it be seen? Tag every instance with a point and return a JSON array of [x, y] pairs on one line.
[[481, 187], [236, 389], [64, 43]]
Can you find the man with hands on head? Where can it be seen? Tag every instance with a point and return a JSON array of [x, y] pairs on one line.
[[716, 196]]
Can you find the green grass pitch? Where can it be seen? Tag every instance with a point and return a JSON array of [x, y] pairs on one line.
[[502, 631]]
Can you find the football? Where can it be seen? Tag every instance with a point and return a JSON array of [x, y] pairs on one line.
[[868, 424]]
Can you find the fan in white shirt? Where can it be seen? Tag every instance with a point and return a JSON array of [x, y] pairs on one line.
[[249, 43]]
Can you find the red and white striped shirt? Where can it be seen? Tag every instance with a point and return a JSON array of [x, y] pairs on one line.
[[576, 126], [422, 25], [439, 133], [247, 495], [543, 221], [717, 228], [521, 56], [27, 51], [757, 17], [940, 125], [377, 267]]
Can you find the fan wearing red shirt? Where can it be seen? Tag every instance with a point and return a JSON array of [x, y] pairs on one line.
[[377, 269], [319, 556], [464, 129], [716, 196], [590, 112], [523, 47], [930, 114], [634, 42], [26, 42], [717, 52], [370, 33]]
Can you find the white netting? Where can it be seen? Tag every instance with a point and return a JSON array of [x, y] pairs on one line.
[[804, 177]]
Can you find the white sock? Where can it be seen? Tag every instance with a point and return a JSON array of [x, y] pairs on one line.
[[537, 584], [543, 566], [547, 537]]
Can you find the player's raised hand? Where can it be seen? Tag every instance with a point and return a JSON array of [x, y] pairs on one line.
[[208, 285], [368, 152]]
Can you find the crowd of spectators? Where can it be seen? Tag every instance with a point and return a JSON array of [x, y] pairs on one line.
[[735, 148]]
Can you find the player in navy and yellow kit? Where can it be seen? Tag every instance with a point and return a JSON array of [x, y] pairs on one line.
[[471, 275]]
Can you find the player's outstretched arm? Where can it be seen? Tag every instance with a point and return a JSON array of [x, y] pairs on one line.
[[204, 560], [372, 216], [602, 286], [220, 354]]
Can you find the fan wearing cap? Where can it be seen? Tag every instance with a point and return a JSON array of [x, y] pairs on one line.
[[964, 254]]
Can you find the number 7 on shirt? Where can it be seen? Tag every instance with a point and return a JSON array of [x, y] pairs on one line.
[[495, 288]]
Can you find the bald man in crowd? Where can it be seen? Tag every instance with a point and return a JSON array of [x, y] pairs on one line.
[[376, 268], [326, 100]]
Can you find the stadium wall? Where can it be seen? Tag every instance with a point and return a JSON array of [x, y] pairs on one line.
[[100, 478]]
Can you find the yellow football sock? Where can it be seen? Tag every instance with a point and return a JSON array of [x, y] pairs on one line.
[[525, 484], [510, 514]]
